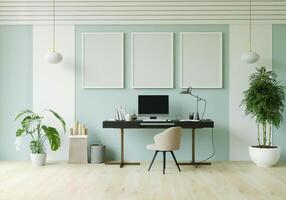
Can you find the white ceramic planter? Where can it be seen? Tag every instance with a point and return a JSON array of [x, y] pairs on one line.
[[264, 157], [38, 159]]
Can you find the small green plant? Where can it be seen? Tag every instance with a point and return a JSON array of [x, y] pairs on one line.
[[264, 101], [32, 125]]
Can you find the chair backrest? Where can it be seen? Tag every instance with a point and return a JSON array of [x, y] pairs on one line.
[[169, 140]]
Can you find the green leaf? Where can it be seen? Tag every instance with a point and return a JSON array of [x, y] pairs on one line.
[[59, 118], [19, 132], [37, 147], [22, 113], [36, 117], [26, 122], [33, 147], [53, 137]]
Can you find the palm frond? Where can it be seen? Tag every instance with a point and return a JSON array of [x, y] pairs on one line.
[[264, 100]]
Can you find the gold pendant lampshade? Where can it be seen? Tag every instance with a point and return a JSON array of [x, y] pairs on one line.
[[54, 57]]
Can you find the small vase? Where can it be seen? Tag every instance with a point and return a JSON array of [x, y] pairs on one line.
[[38, 159], [128, 117]]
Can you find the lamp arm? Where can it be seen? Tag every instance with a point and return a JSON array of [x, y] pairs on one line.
[[198, 98], [203, 99], [205, 106]]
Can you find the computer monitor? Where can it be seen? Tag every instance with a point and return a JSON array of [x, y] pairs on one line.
[[153, 106]]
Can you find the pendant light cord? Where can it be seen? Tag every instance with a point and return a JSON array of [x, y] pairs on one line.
[[54, 25], [250, 26]]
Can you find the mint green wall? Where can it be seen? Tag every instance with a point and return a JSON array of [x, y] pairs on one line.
[[15, 85], [279, 66], [95, 105]]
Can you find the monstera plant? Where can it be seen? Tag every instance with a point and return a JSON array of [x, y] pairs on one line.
[[264, 101], [32, 124]]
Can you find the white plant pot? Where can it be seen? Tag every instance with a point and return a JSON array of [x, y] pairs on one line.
[[264, 157], [38, 159]]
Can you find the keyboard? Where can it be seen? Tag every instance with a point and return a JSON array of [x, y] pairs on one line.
[[157, 124], [154, 120]]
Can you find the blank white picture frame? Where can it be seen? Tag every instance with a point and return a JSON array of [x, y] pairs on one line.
[[201, 60], [103, 60], [152, 60]]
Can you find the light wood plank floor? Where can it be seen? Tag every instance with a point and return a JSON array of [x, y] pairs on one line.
[[61, 181]]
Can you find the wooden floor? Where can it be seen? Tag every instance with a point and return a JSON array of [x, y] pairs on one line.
[[61, 181]]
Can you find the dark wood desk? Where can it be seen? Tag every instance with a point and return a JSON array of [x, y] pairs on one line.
[[157, 125]]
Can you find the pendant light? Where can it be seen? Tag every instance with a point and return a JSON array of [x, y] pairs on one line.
[[54, 57], [250, 56]]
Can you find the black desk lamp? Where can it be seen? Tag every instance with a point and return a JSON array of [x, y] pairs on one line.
[[189, 91]]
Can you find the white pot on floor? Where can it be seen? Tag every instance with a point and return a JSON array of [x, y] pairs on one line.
[[38, 159], [264, 157]]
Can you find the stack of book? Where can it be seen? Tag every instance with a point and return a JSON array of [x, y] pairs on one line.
[[120, 113]]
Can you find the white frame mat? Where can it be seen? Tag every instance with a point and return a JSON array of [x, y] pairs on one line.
[[152, 60], [103, 60], [201, 60]]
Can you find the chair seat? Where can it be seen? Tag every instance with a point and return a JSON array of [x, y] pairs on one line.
[[151, 147]]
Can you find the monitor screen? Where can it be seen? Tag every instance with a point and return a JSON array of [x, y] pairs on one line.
[[153, 104]]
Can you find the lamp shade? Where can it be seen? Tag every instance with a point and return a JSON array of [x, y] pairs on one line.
[[54, 57], [187, 91], [249, 57]]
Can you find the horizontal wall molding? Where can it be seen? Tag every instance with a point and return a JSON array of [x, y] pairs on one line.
[[142, 11]]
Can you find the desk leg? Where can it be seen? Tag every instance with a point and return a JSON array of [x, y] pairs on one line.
[[121, 163], [193, 145], [193, 162], [122, 147]]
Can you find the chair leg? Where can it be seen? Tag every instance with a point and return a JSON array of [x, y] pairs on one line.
[[153, 160], [175, 160], [164, 161]]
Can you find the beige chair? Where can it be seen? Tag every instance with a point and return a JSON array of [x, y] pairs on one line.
[[167, 141]]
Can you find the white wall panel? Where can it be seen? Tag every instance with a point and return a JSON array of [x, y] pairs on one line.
[[54, 85], [243, 130]]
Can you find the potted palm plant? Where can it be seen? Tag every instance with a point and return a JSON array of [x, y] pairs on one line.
[[264, 101], [32, 125]]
